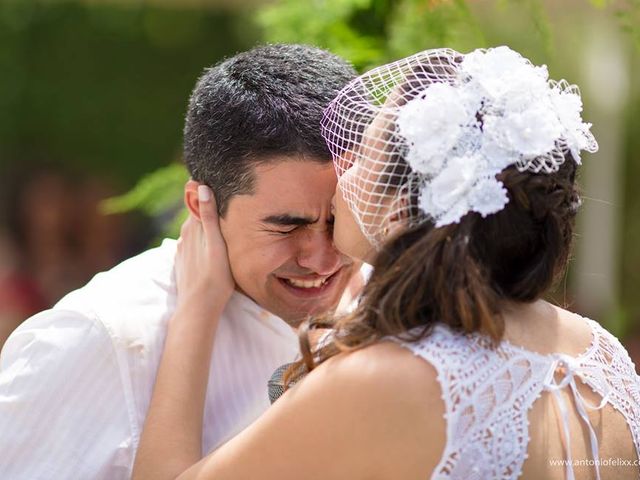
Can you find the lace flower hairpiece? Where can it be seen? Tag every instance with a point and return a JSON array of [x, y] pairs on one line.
[[439, 126]]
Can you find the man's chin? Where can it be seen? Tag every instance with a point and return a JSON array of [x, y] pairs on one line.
[[292, 312], [294, 316]]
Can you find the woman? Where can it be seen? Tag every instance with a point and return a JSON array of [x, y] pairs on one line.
[[457, 182]]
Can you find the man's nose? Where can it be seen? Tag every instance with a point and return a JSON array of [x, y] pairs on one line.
[[317, 252]]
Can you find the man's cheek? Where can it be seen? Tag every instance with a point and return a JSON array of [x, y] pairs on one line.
[[257, 262], [277, 252]]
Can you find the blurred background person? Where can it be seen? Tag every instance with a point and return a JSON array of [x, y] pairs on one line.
[[20, 296], [55, 239]]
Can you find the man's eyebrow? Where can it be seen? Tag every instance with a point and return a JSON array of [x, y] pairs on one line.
[[286, 220]]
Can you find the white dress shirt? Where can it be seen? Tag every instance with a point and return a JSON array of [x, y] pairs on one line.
[[76, 380]]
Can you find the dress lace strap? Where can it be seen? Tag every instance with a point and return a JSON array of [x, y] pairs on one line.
[[570, 367], [487, 393]]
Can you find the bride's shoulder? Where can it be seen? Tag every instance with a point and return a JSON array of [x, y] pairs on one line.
[[389, 398], [384, 370], [379, 402]]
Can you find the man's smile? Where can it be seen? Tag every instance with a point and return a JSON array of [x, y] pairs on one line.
[[311, 285]]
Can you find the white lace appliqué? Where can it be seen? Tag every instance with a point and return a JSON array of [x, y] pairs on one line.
[[488, 393]]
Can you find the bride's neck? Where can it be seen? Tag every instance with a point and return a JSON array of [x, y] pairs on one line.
[[536, 307], [519, 315]]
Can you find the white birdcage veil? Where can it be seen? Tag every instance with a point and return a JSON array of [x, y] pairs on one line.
[[422, 139]]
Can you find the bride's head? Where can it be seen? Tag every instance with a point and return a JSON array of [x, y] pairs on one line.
[[457, 181]]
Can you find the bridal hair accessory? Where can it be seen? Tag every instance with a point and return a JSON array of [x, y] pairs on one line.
[[423, 138]]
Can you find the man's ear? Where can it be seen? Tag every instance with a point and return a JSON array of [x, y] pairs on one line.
[[191, 197]]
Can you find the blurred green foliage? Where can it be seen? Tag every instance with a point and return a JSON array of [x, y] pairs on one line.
[[169, 179], [156, 194], [370, 32], [103, 88], [630, 221], [354, 29]]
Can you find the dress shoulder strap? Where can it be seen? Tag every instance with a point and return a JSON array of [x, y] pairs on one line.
[[487, 393], [609, 370]]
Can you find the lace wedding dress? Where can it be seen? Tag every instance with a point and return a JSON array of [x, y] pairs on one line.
[[488, 392]]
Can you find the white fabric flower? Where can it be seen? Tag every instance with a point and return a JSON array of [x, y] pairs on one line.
[[569, 107], [488, 196], [432, 125], [495, 150], [457, 178], [525, 93], [498, 69], [530, 133], [576, 134], [444, 197]]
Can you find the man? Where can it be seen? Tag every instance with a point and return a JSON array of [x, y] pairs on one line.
[[76, 380]]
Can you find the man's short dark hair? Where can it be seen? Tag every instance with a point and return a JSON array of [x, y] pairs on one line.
[[259, 104]]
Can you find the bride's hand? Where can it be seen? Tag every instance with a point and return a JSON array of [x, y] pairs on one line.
[[204, 284], [203, 274]]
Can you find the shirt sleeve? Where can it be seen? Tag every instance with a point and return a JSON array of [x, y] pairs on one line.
[[63, 410]]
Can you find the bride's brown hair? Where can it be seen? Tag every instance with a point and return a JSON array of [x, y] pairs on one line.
[[461, 274]]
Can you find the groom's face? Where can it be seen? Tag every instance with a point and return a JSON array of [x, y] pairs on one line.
[[279, 239]]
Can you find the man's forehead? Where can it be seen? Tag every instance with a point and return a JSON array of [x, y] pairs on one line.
[[298, 211], [301, 181], [296, 188]]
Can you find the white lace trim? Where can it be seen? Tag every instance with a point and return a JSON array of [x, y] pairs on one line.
[[488, 393]]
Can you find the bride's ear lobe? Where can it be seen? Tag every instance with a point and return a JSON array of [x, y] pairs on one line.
[[400, 216]]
